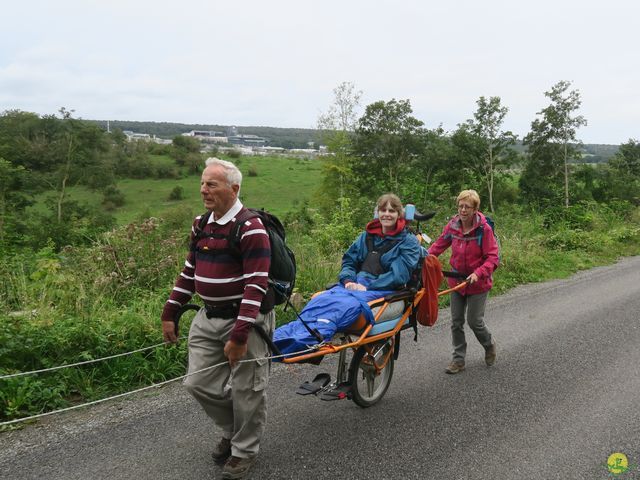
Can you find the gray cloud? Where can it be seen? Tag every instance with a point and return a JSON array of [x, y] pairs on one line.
[[275, 63]]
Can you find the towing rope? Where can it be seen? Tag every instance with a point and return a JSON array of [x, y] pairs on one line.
[[86, 362], [149, 387]]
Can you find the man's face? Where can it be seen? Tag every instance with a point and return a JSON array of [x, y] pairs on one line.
[[217, 195]]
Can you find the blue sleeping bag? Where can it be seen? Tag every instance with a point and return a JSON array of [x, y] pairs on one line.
[[328, 313]]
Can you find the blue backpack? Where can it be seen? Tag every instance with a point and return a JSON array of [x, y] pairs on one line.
[[492, 224]]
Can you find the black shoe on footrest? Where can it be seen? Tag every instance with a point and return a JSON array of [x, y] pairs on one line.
[[315, 385], [338, 392]]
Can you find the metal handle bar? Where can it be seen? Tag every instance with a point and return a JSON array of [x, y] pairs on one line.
[[181, 311]]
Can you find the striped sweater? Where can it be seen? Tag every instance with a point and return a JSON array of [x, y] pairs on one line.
[[223, 279]]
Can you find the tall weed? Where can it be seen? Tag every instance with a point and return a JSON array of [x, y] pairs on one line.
[[89, 302]]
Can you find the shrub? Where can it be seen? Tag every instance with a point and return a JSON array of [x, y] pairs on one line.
[[178, 219], [177, 193], [567, 240], [253, 171], [79, 225], [234, 153], [336, 235], [113, 198], [579, 216]]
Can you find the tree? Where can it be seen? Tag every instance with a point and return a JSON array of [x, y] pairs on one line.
[[76, 147], [620, 179], [433, 174], [388, 140], [14, 185], [627, 159], [342, 113], [484, 144], [552, 140], [185, 149], [337, 125]]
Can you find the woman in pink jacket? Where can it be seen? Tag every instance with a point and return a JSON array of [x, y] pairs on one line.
[[474, 253]]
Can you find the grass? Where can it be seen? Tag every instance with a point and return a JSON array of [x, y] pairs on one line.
[[280, 186]]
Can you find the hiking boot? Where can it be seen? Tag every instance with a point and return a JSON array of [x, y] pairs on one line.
[[455, 367], [222, 451], [490, 354], [237, 468]]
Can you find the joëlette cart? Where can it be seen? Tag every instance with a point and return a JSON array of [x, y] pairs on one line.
[[371, 347]]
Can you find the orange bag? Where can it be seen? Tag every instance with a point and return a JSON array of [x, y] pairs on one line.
[[431, 278]]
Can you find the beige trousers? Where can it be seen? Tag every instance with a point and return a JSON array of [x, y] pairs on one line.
[[234, 399]]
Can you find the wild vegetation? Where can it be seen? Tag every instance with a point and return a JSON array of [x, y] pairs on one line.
[[93, 229]]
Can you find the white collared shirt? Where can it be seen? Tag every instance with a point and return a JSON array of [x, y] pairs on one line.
[[227, 217]]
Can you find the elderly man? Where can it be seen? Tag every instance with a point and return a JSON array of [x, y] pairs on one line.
[[232, 282]]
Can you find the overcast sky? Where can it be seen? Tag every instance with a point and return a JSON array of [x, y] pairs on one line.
[[275, 63]]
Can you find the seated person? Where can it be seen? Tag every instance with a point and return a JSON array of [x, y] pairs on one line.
[[380, 261]]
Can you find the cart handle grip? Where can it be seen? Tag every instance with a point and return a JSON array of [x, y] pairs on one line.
[[455, 275]]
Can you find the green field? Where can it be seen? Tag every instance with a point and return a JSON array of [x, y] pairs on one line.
[[280, 186]]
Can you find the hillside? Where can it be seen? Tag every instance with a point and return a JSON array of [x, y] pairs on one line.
[[276, 137], [294, 137]]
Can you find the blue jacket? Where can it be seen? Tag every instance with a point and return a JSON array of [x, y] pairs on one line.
[[398, 263]]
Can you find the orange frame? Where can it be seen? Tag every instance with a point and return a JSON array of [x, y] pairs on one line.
[[363, 339]]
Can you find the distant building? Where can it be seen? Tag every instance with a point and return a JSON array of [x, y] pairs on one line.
[[203, 133], [247, 140], [207, 136], [137, 136], [248, 151], [267, 150], [304, 152]]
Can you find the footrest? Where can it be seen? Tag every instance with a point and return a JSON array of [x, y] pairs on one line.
[[340, 391], [315, 385]]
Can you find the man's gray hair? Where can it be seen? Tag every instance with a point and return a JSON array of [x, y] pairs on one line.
[[234, 176]]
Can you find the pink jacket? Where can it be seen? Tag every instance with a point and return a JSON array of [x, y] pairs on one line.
[[476, 252]]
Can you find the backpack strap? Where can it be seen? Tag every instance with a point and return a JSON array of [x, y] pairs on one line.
[[199, 233], [384, 248], [235, 235], [371, 262], [369, 242]]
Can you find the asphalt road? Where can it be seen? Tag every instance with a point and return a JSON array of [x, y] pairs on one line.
[[562, 397]]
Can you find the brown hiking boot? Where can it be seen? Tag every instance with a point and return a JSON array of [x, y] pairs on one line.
[[222, 451], [237, 468], [490, 354], [455, 367]]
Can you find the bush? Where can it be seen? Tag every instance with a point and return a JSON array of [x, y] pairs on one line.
[[253, 171], [113, 198], [578, 216], [80, 225], [177, 220], [177, 193], [336, 235], [300, 220], [166, 171], [234, 153], [568, 239]]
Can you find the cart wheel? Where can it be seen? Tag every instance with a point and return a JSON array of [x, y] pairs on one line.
[[368, 384]]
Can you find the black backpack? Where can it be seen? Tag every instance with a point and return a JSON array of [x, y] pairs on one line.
[[282, 273]]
